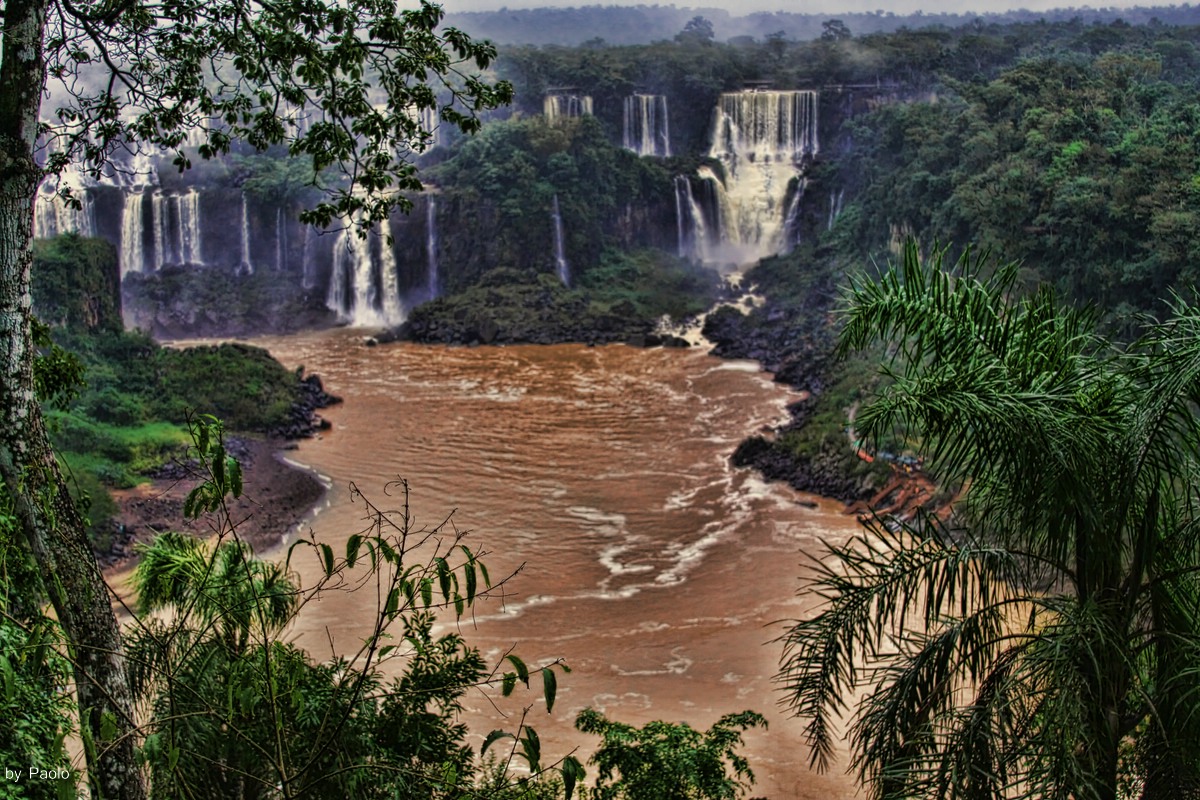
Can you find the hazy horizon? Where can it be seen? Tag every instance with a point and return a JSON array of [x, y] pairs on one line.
[[831, 7]]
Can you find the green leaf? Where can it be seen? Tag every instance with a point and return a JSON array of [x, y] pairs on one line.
[[487, 581], [494, 737], [471, 582], [550, 687], [10, 679], [427, 592], [352, 546], [443, 573], [531, 747], [508, 683], [572, 771], [235, 477], [288, 561], [522, 670], [327, 557]]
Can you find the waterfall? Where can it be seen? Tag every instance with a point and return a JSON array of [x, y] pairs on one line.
[[189, 228], [132, 259], [835, 206], [560, 260], [135, 170], [431, 248], [52, 214], [389, 278], [646, 130], [279, 240], [681, 248], [364, 286], [762, 139], [719, 218], [791, 229], [691, 228], [307, 260], [245, 265], [565, 106], [45, 216], [159, 229]]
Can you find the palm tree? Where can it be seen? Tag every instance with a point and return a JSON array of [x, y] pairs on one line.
[[1046, 644]]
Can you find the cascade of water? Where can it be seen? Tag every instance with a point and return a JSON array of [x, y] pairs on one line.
[[245, 265], [189, 228], [159, 229], [791, 227], [52, 214], [353, 289], [133, 171], [565, 106], [431, 248], [682, 184], [279, 240], [389, 280], [835, 206], [762, 139], [560, 259], [132, 259], [646, 129], [45, 217], [691, 226], [346, 254], [306, 258]]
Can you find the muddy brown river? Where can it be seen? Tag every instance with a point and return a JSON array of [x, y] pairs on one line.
[[658, 572]]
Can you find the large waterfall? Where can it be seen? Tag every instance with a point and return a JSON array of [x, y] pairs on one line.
[[132, 258], [762, 139], [364, 287], [564, 106], [176, 228], [647, 130]]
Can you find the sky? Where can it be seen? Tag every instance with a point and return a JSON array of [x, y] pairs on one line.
[[813, 6]]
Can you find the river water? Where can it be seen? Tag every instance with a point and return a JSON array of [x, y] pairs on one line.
[[658, 572]]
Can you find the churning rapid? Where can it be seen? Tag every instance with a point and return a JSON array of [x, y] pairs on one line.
[[651, 565]]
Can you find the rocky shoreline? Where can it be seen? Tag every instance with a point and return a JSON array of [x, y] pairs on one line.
[[795, 343], [276, 496]]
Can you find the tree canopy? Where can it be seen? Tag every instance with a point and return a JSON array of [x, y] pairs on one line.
[[1047, 643]]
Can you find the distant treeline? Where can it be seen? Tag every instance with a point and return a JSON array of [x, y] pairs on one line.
[[617, 25]]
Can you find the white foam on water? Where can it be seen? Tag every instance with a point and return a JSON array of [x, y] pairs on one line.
[[678, 664]]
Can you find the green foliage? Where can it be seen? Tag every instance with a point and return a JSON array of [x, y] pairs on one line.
[[241, 384], [236, 711], [503, 183], [272, 178], [1045, 645], [623, 297], [1079, 166], [668, 761], [76, 283], [34, 675]]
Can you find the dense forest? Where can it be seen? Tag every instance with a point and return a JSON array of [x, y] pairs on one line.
[[619, 25]]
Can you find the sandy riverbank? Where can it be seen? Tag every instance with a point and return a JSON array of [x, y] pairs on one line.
[[276, 498]]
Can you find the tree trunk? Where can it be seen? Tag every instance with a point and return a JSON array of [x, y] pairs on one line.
[[52, 525]]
